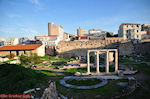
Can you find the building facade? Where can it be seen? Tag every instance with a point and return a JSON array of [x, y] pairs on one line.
[[2, 40], [48, 40], [11, 41], [96, 31], [130, 31], [18, 50], [81, 32], [55, 31]]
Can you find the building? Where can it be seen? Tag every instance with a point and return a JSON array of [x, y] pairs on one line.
[[11, 41], [55, 31], [110, 40], [146, 27], [18, 50], [81, 32], [25, 40], [96, 34], [130, 31], [97, 31], [2, 40], [48, 40], [66, 37]]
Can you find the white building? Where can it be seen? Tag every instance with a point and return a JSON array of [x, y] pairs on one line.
[[96, 32], [11, 41], [2, 40], [47, 40], [130, 31]]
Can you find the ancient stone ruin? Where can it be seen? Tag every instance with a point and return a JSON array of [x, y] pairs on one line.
[[107, 58]]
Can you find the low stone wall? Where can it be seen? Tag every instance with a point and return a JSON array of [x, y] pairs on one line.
[[50, 51]]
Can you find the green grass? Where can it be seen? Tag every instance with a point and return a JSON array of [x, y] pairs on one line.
[[83, 82], [143, 68], [9, 60], [16, 78], [83, 70], [108, 89], [54, 58], [74, 70]]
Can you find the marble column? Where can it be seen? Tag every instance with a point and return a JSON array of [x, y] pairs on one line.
[[107, 62], [116, 61], [97, 64], [88, 62]]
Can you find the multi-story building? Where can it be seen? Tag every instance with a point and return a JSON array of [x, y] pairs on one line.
[[145, 34], [67, 37], [96, 31], [56, 30], [130, 31], [23, 40], [48, 40], [2, 40], [96, 34], [81, 32], [11, 41], [146, 27]]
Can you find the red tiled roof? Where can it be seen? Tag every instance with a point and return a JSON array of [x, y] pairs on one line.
[[20, 47]]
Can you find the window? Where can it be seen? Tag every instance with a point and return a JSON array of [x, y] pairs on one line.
[[137, 36], [137, 30], [127, 25], [137, 25]]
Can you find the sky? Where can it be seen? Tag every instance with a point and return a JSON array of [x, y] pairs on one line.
[[27, 18]]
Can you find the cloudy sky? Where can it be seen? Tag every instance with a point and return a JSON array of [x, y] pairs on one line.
[[27, 18]]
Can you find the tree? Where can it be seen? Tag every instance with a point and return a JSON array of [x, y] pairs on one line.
[[108, 34]]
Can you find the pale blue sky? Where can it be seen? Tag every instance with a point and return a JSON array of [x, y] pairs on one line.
[[27, 18]]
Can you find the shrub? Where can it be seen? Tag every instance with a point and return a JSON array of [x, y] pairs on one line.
[[11, 56], [29, 60]]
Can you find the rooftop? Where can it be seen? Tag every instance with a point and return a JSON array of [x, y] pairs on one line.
[[20, 47], [129, 24]]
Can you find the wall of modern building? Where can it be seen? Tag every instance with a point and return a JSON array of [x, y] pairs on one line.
[[130, 31], [81, 32]]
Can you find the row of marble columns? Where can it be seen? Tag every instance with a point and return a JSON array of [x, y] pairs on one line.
[[106, 60]]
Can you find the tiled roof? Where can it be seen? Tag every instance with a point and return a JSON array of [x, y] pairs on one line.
[[19, 47]]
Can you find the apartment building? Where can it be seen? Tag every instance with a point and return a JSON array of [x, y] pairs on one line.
[[2, 40], [11, 41], [130, 31], [81, 32], [55, 31]]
